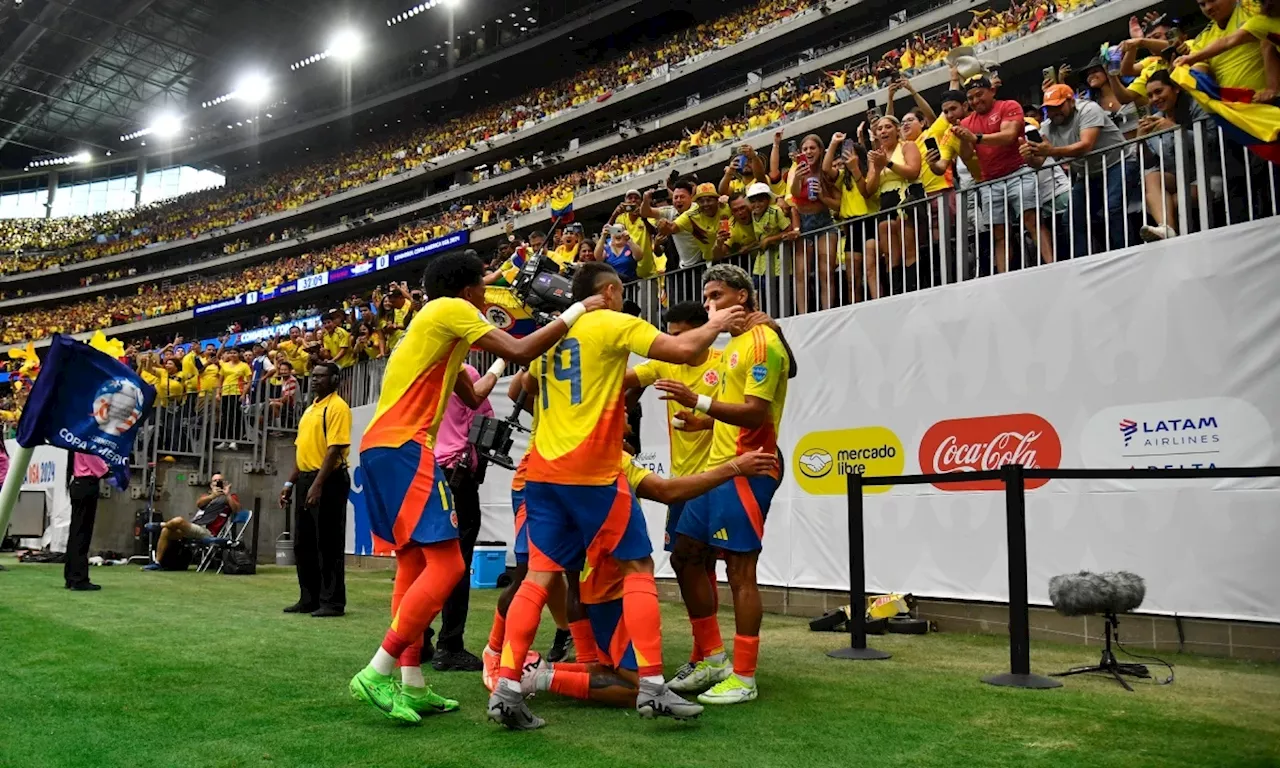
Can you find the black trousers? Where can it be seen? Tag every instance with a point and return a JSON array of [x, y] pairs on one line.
[[466, 502], [319, 540], [84, 510]]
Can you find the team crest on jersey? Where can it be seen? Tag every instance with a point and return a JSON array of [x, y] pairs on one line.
[[498, 317], [453, 519], [759, 372], [711, 378], [733, 360]]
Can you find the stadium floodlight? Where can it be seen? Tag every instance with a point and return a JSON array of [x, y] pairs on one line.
[[45, 162], [253, 88], [345, 45], [166, 126]]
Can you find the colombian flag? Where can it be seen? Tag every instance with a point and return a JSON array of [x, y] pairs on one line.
[[1256, 126], [562, 205], [506, 312]]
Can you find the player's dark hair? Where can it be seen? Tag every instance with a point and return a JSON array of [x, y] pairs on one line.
[[629, 307], [690, 313], [589, 277], [956, 96], [684, 184], [737, 196], [449, 274]]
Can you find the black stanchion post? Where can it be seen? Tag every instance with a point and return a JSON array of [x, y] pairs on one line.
[[257, 513], [1019, 674], [857, 649]]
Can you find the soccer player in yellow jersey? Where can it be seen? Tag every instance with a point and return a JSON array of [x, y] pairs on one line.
[[578, 502], [406, 495], [747, 413]]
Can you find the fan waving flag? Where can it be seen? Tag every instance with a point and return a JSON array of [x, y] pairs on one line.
[[505, 311], [88, 402], [562, 205], [1256, 126]]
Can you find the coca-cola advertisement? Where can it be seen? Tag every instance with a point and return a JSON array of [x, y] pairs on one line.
[[989, 442]]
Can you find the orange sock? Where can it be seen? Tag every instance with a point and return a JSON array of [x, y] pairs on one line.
[[696, 655], [570, 666], [575, 685], [426, 595], [644, 620], [746, 650], [706, 635], [498, 632], [522, 625], [584, 641]]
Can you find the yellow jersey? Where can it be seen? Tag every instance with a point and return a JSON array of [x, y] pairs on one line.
[[1264, 27], [754, 364], [211, 378], [326, 422], [421, 372], [582, 414], [689, 450], [235, 377], [336, 341], [702, 228], [190, 373], [1239, 67]]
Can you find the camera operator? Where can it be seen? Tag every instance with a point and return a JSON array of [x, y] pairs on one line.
[[216, 507], [463, 468]]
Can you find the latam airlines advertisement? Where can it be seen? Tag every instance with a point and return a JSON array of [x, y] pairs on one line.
[[309, 282]]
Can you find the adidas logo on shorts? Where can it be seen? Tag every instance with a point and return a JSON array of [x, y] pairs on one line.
[[722, 535]]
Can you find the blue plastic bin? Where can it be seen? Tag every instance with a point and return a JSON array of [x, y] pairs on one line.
[[487, 564]]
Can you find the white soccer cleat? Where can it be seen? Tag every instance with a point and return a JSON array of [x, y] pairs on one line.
[[533, 666], [656, 700]]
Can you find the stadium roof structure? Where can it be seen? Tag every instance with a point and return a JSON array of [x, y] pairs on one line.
[[78, 75]]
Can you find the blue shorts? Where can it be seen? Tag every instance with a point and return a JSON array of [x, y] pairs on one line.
[[673, 519], [572, 524], [521, 547], [730, 516], [407, 496], [613, 641]]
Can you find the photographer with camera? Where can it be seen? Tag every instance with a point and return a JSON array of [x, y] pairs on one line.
[[216, 507]]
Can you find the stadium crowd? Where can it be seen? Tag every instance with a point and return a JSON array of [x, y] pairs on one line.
[[890, 161], [246, 199]]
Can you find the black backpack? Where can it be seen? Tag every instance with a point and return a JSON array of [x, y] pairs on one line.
[[236, 561]]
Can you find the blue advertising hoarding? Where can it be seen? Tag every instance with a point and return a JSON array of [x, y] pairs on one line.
[[308, 282]]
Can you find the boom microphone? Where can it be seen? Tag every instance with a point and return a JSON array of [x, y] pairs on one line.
[[1085, 593]]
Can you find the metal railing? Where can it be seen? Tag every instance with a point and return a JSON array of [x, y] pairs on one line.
[[1187, 179]]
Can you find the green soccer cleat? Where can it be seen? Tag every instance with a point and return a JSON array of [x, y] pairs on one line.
[[381, 692], [425, 701], [701, 676], [731, 690]]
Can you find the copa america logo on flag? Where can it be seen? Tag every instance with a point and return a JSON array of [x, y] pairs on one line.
[[117, 406]]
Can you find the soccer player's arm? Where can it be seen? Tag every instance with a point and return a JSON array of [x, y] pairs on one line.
[[643, 375], [683, 349], [522, 351], [474, 393], [674, 490], [762, 382]]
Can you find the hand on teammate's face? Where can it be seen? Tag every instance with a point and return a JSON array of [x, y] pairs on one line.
[[677, 391], [728, 319]]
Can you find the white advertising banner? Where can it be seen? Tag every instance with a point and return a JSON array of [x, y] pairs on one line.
[[1167, 356], [48, 472]]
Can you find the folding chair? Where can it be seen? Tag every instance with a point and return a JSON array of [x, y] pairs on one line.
[[230, 535]]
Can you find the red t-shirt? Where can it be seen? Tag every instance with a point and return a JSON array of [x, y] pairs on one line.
[[997, 161]]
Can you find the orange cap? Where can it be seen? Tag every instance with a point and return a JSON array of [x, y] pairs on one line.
[[1057, 95], [706, 189]]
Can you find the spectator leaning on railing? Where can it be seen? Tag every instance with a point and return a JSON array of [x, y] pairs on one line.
[[1075, 132]]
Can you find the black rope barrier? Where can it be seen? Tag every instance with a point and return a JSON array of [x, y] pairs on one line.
[[1014, 477]]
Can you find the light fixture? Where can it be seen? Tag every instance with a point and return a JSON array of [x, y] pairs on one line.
[[166, 126], [252, 88], [345, 45], [45, 162]]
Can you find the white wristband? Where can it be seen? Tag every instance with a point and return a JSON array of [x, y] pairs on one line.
[[498, 367], [677, 422], [704, 404], [287, 485], [573, 314]]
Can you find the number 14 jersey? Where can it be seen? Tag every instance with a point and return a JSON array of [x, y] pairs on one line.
[[581, 412]]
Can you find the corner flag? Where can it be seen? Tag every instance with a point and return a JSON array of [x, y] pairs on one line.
[[86, 401]]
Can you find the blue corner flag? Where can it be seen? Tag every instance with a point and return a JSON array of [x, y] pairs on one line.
[[88, 402]]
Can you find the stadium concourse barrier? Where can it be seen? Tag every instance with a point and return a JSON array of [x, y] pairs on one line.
[[1005, 50], [1013, 477]]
